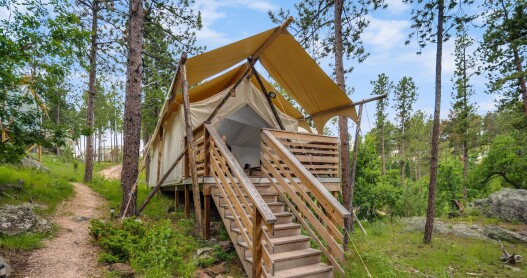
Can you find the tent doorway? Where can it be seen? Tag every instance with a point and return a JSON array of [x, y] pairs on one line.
[[242, 131]]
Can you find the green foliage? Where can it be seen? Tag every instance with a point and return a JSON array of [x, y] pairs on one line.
[[449, 186], [23, 242], [154, 249]]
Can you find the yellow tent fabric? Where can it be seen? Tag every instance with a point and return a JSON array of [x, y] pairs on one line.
[[305, 81], [213, 62]]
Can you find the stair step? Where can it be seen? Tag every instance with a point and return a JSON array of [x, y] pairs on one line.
[[318, 270], [274, 206], [294, 259], [260, 187], [280, 230], [266, 196], [282, 217], [283, 244]]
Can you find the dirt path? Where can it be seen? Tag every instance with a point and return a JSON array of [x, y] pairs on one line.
[[70, 253], [112, 172]]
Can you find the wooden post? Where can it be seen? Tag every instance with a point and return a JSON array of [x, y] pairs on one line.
[[187, 200], [268, 98], [206, 147], [206, 193], [39, 153], [257, 243], [190, 145]]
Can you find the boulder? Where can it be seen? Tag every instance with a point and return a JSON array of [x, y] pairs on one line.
[[458, 229], [123, 270], [205, 253], [507, 204], [29, 162], [498, 233], [5, 268], [17, 219], [202, 274], [216, 269]]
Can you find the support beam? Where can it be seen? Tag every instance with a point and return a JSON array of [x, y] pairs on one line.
[[268, 98], [206, 195], [187, 201], [160, 182], [251, 61], [190, 148], [364, 101], [354, 163]]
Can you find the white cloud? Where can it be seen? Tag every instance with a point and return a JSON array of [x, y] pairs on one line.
[[386, 34], [396, 6], [214, 10]]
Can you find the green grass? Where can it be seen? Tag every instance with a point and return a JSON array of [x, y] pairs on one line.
[[388, 251]]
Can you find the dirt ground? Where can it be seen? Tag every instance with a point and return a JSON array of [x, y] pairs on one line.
[[112, 172], [70, 253]]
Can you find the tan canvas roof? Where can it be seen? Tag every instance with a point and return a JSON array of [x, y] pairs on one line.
[[284, 59]]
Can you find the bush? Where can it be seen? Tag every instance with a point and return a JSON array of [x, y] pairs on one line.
[[155, 249]]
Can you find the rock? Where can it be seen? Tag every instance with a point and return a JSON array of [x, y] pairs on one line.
[[498, 233], [202, 274], [80, 218], [29, 162], [216, 269], [226, 246], [17, 219], [507, 204], [206, 253], [5, 268], [122, 269]]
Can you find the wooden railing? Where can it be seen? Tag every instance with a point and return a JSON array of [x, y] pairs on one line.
[[248, 208], [320, 214], [319, 154]]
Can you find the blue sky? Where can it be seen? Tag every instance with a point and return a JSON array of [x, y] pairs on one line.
[[230, 20]]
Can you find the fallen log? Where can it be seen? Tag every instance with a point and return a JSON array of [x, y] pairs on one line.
[[508, 258]]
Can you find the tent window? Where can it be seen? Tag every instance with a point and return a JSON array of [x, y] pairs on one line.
[[242, 130]]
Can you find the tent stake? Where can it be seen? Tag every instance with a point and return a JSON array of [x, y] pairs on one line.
[[269, 101]]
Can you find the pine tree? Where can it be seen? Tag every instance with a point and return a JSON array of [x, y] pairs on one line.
[[405, 95], [382, 86], [504, 47]]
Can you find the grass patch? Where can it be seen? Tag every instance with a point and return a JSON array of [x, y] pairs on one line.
[[388, 251]]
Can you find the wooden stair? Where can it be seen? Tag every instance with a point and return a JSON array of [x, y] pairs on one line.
[[291, 253], [265, 218]]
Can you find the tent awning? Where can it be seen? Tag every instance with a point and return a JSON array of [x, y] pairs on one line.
[[284, 59]]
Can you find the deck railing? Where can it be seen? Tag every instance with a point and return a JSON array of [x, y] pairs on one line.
[[320, 214], [248, 208]]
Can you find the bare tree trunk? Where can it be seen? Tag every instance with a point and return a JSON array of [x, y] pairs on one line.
[[88, 170], [429, 225], [100, 147], [347, 190], [57, 120], [132, 111], [383, 155], [403, 159], [354, 160], [465, 172]]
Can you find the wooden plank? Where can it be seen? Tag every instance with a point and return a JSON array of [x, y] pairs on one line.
[[305, 210], [207, 215], [257, 243], [190, 146], [330, 204], [281, 134], [259, 203], [312, 234], [309, 145]]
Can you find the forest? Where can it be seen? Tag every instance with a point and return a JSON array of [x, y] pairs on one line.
[[83, 84]]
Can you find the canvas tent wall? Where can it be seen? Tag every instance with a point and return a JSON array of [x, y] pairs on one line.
[[240, 119]]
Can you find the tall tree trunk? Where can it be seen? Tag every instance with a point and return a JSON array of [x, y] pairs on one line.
[[403, 159], [100, 147], [465, 172], [116, 148], [347, 190], [57, 120], [429, 225], [132, 110], [88, 170], [383, 155]]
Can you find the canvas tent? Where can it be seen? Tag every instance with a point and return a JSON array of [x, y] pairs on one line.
[[227, 73]]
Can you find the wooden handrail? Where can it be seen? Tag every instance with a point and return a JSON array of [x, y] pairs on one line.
[[268, 216], [320, 214], [330, 203]]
